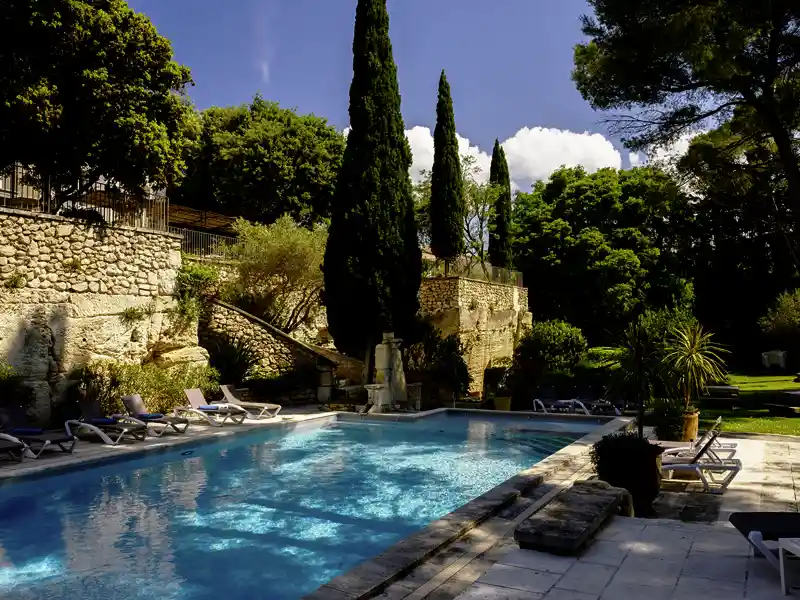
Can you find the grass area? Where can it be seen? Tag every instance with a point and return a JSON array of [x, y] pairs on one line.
[[747, 414]]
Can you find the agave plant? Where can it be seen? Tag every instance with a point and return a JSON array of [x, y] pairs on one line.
[[694, 361]]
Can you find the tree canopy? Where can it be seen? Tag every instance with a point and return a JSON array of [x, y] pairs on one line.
[[677, 66], [447, 186], [500, 219], [261, 161], [599, 248], [89, 89], [373, 262]]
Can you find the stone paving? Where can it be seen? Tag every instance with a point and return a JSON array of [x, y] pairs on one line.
[[663, 559]]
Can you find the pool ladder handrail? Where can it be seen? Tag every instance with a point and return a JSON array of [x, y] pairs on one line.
[[573, 402]]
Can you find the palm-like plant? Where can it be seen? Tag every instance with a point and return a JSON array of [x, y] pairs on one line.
[[638, 368], [694, 361]]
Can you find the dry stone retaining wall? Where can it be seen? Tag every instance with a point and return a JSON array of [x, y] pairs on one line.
[[279, 352], [487, 317], [70, 293]]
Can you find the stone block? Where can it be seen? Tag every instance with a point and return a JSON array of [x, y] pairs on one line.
[[566, 524], [194, 356]]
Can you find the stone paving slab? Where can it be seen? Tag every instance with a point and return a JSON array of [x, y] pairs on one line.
[[639, 559]]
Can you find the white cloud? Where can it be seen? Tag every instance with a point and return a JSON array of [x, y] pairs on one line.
[[636, 159], [665, 156], [264, 68], [532, 153]]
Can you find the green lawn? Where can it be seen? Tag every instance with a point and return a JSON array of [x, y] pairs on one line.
[[747, 414]]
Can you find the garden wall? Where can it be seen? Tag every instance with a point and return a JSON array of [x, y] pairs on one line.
[[71, 292], [487, 317], [279, 352]]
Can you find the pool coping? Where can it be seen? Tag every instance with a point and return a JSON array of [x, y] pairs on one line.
[[374, 575]]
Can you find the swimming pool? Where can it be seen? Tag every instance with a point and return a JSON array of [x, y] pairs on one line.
[[270, 515]]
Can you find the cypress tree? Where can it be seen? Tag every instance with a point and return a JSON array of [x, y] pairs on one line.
[[447, 186], [500, 222], [372, 262]]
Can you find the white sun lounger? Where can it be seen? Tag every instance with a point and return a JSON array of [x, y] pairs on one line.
[[715, 473], [255, 410], [210, 412]]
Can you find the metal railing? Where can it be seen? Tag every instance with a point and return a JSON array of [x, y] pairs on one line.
[[99, 202], [201, 244], [473, 270]]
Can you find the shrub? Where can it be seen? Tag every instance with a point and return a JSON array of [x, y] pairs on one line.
[[440, 359], [625, 460], [15, 397], [781, 324], [276, 386], [278, 271], [234, 358], [551, 347], [15, 281], [667, 419], [162, 389], [195, 286]]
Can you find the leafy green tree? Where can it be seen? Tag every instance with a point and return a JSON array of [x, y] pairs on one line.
[[447, 187], [600, 248], [742, 235], [479, 205], [691, 64], [88, 89], [277, 275], [373, 263], [261, 161], [500, 222]]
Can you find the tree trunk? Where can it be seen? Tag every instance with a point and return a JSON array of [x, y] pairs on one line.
[[368, 375]]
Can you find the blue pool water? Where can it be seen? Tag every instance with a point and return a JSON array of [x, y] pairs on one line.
[[271, 515]]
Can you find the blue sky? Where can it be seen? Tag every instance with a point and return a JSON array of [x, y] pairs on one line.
[[508, 63]]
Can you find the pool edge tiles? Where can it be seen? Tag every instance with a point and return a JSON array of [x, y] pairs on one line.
[[374, 575]]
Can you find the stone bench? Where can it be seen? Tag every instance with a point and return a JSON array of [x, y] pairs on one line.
[[566, 524]]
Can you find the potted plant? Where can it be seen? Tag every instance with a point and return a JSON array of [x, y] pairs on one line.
[[692, 361], [628, 461]]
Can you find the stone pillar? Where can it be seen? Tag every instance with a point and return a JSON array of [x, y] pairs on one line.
[[379, 397], [325, 386]]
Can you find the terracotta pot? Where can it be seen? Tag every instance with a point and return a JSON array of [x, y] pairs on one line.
[[691, 422]]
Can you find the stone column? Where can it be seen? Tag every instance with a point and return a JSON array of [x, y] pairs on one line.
[[382, 396]]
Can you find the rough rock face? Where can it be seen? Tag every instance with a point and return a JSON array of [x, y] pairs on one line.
[[71, 293], [488, 318]]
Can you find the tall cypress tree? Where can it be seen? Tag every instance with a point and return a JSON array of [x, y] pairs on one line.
[[372, 263], [500, 222], [447, 186]]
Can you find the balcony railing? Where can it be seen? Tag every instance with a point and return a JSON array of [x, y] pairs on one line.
[[201, 244], [99, 202], [471, 269]]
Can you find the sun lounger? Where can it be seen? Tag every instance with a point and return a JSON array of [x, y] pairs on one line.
[[211, 412], [255, 410], [38, 440], [717, 450], [12, 447], [110, 430], [715, 473], [136, 409], [764, 529]]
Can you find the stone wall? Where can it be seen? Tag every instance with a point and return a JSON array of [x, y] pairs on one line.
[[279, 352], [487, 317], [70, 293]]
